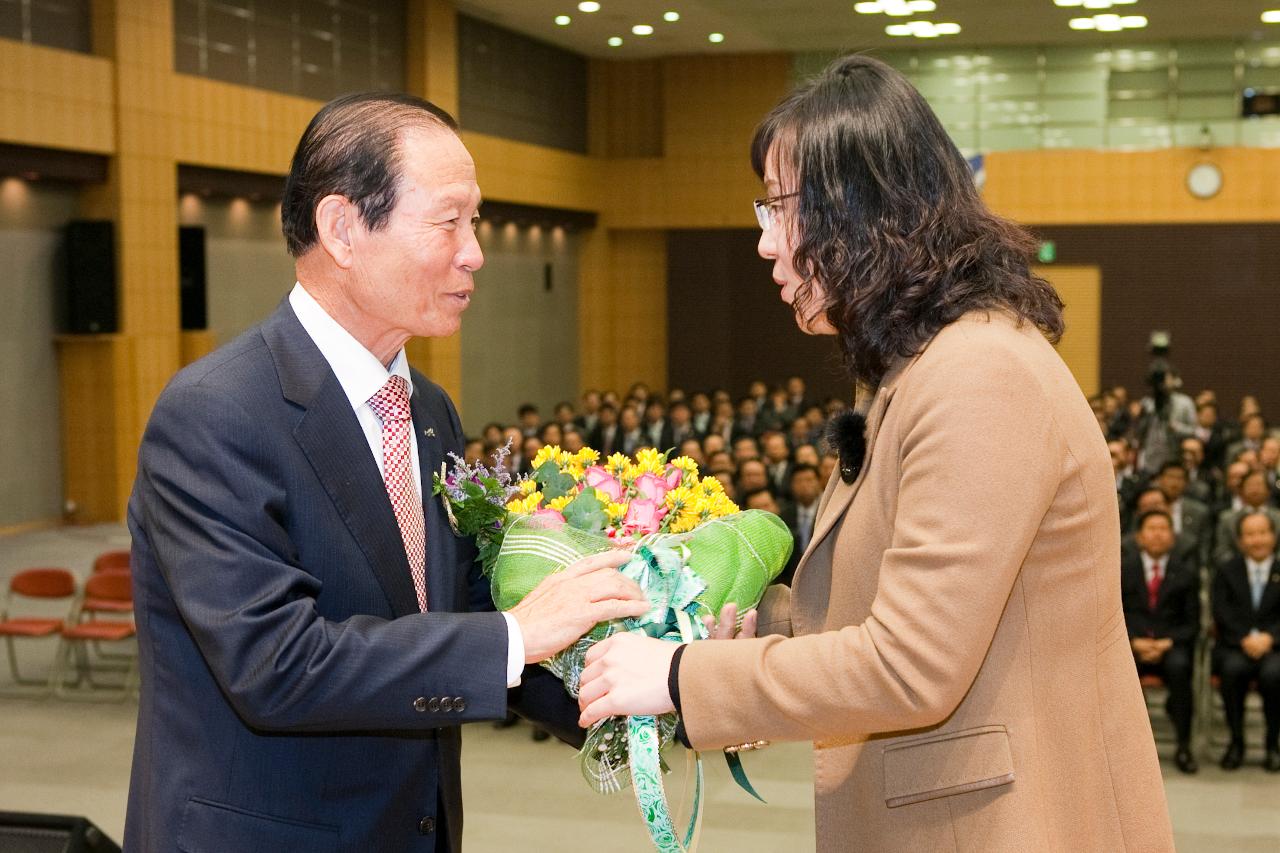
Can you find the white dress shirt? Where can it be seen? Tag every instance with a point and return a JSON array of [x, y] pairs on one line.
[[361, 376], [1149, 565], [1258, 574]]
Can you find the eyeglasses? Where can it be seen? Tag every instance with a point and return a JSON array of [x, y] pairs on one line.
[[765, 209]]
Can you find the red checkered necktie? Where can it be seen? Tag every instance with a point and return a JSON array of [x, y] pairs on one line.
[[1153, 585], [391, 405]]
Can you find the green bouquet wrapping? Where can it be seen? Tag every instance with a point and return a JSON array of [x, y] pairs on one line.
[[693, 552]]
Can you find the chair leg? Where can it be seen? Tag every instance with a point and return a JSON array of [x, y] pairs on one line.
[[23, 687]]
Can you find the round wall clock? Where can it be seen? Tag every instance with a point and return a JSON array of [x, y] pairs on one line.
[[1204, 180]]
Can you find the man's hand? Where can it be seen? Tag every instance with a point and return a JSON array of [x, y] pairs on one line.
[[567, 604], [1143, 648], [1257, 644], [625, 674], [723, 630]]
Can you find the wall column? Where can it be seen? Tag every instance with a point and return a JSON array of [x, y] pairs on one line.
[[111, 382]]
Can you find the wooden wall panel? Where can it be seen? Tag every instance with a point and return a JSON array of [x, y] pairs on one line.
[[1117, 187], [1081, 347], [625, 108], [622, 309], [56, 98], [98, 412]]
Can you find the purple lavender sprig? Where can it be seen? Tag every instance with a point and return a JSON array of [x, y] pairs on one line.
[[476, 499]]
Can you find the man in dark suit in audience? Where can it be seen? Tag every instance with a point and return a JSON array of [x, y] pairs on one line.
[[777, 460], [1255, 496], [1202, 480], [1161, 596], [680, 425], [1246, 613], [1192, 520], [800, 515], [1127, 481], [606, 437], [632, 437]]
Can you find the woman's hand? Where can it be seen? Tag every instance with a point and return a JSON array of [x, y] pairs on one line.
[[723, 630], [625, 674]]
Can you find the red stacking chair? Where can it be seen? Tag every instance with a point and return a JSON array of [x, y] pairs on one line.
[[48, 584], [115, 589], [110, 561]]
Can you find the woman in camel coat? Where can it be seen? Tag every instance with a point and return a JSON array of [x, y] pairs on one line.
[[953, 642]]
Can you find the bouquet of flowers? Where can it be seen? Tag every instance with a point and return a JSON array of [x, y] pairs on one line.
[[694, 552]]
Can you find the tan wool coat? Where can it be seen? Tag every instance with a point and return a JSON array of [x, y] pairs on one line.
[[953, 642]]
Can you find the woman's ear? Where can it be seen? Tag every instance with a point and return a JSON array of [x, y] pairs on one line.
[[335, 216]]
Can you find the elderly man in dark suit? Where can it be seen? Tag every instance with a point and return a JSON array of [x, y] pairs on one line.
[[1255, 496], [1161, 597], [306, 647], [1246, 612]]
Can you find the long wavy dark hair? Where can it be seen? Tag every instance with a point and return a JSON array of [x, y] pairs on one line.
[[890, 226]]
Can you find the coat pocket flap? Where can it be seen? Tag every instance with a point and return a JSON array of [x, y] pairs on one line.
[[940, 765], [209, 827]]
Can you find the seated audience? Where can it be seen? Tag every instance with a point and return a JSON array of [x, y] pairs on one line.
[[1161, 596], [1246, 615]]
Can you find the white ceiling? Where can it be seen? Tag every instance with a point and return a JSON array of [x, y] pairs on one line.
[[811, 25]]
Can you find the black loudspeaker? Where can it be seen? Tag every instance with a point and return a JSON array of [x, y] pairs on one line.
[[51, 833], [191, 283], [90, 295]]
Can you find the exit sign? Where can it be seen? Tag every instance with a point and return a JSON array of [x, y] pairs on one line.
[[1048, 252]]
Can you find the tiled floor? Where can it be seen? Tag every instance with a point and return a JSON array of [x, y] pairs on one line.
[[57, 756]]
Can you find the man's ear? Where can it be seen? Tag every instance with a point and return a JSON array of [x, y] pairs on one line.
[[335, 219]]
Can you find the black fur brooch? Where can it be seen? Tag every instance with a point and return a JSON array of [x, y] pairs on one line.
[[847, 435]]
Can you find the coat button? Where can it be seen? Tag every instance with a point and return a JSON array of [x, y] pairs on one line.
[[459, 704], [446, 704], [434, 704], [426, 826], [420, 704]]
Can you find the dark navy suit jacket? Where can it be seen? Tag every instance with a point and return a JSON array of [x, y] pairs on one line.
[[293, 697]]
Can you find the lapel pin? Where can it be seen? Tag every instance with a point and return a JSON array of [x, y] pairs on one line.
[[429, 432]]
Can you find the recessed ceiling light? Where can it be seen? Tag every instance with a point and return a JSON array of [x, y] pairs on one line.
[[615, 41], [670, 17], [642, 30], [923, 29], [715, 38], [1109, 23], [563, 20], [872, 8], [1271, 16], [588, 6], [1068, 3]]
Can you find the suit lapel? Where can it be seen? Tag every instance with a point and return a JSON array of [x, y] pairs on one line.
[[331, 438], [441, 548], [1270, 592], [840, 494]]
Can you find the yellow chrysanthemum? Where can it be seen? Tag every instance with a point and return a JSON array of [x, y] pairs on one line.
[[575, 469], [687, 465], [616, 512], [650, 461], [711, 487], [563, 457], [684, 522], [528, 487], [681, 498], [617, 465], [588, 456], [558, 504], [548, 453], [526, 505]]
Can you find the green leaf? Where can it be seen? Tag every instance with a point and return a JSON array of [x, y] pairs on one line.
[[553, 483], [586, 512]]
